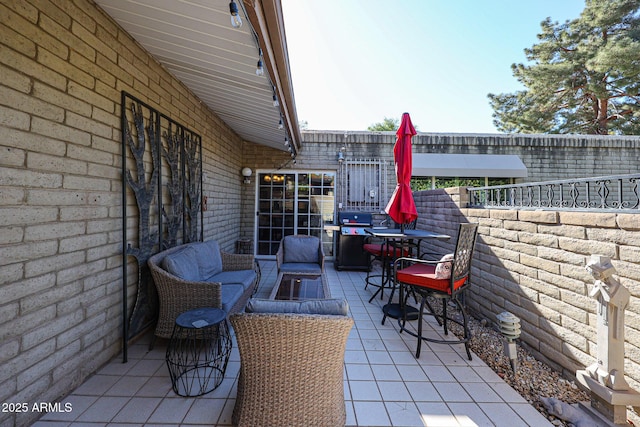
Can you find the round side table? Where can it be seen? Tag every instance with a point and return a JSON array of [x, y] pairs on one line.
[[198, 351]]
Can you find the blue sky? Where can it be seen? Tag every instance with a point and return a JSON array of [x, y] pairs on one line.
[[355, 62]]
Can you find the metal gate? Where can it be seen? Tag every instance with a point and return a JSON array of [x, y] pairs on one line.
[[362, 185]]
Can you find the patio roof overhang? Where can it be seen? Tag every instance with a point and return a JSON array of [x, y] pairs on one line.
[[468, 165], [194, 40]]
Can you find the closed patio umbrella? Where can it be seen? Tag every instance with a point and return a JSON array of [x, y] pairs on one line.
[[401, 207]]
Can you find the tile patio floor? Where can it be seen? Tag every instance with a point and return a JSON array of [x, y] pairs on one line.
[[384, 384]]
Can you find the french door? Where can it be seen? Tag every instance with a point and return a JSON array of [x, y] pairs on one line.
[[294, 203]]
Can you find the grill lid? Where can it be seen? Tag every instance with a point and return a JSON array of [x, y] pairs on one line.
[[354, 218]]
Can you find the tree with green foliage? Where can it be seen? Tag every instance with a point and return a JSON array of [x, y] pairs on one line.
[[388, 124], [584, 76]]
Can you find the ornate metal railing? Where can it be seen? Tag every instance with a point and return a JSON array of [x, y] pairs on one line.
[[616, 192]]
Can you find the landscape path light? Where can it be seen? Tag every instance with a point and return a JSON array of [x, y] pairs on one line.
[[509, 327]]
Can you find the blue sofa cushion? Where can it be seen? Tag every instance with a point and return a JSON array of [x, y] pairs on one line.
[[230, 294], [301, 249], [241, 277], [320, 306], [183, 264], [300, 267], [208, 258]]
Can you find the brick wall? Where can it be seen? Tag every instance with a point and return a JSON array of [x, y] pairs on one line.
[[63, 65], [546, 157], [532, 263]]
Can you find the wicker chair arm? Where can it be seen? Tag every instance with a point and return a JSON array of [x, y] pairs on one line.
[[177, 296], [232, 262], [194, 294], [291, 371]]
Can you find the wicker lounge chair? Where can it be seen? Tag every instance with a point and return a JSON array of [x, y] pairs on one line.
[[300, 254], [291, 371]]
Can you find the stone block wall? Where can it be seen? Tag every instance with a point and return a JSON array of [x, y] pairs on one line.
[[547, 157], [532, 263], [63, 65]]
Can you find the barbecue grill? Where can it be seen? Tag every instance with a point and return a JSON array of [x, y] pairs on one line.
[[349, 253]]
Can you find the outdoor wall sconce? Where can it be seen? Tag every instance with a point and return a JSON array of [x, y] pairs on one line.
[[236, 22], [246, 173], [340, 156]]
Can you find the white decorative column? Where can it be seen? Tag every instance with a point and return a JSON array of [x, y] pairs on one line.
[[610, 392]]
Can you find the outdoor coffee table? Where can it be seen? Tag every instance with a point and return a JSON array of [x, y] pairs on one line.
[[300, 286]]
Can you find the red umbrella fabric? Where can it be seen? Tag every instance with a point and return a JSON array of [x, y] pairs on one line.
[[402, 207]]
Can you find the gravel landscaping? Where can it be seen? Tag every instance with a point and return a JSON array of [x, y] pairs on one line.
[[534, 379]]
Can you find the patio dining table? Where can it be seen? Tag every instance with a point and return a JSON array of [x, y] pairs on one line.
[[397, 237]]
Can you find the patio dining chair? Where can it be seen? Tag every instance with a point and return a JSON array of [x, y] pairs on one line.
[[409, 246], [443, 280], [385, 253]]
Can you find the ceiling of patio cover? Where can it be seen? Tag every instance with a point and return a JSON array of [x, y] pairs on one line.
[[469, 165], [194, 41]]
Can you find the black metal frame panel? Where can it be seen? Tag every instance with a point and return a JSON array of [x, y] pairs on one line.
[[162, 168]]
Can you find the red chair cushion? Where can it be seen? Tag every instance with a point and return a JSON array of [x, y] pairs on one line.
[[424, 275], [376, 250]]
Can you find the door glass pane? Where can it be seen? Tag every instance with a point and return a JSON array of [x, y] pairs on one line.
[[294, 203]]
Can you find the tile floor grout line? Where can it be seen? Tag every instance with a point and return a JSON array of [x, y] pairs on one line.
[[441, 369]]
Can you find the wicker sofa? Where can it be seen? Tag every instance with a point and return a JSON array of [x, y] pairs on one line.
[[198, 275], [291, 363]]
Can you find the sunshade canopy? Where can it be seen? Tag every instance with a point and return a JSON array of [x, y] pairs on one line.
[[469, 165]]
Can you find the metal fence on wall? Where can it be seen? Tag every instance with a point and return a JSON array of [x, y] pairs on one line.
[[362, 185], [616, 192]]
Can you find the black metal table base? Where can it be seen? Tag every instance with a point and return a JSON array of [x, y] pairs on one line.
[[384, 284], [394, 310]]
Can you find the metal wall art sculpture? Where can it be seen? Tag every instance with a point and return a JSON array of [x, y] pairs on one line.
[[162, 170]]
